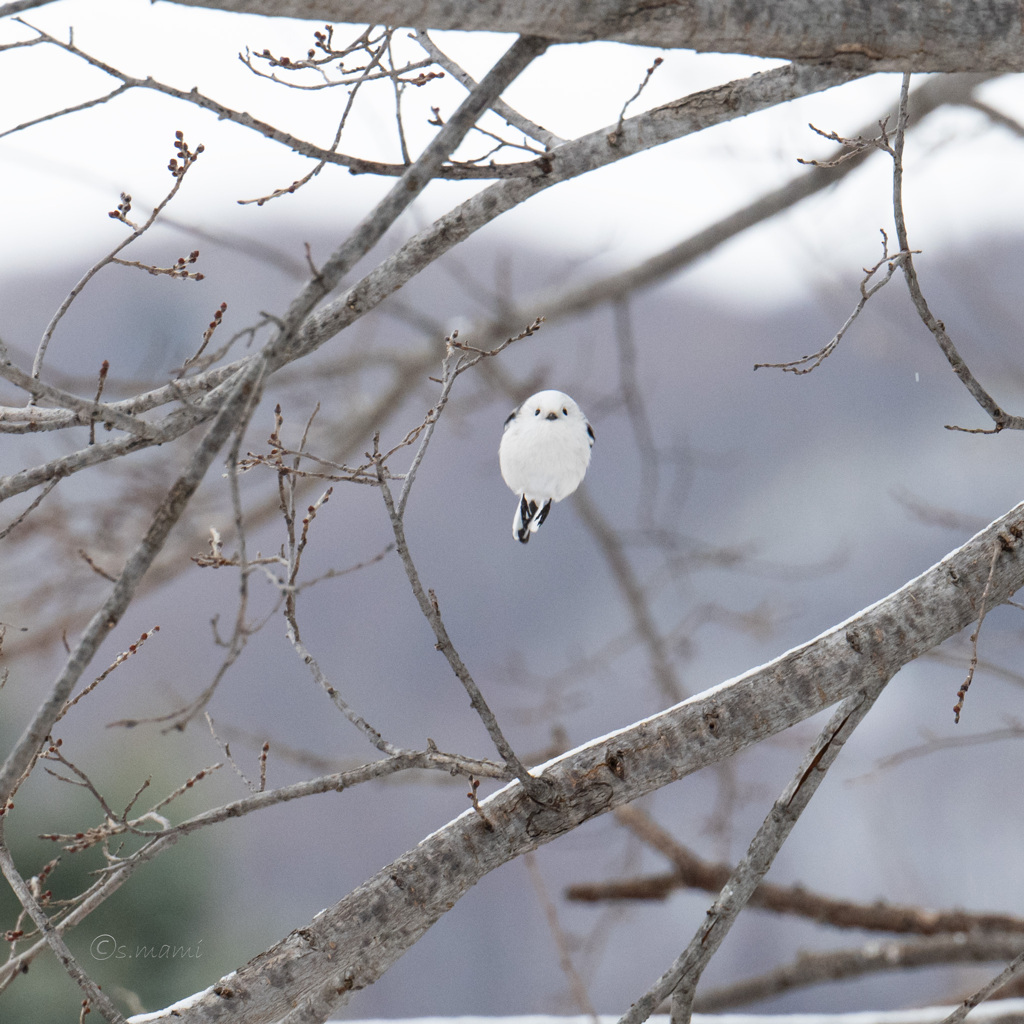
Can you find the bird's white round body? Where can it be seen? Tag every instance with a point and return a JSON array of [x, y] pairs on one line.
[[544, 454]]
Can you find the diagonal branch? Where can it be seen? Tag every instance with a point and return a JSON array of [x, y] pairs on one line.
[[350, 945], [680, 980], [655, 127], [432, 613], [534, 131], [1011, 971], [373, 226]]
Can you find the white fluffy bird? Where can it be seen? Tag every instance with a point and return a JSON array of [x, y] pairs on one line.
[[544, 454]]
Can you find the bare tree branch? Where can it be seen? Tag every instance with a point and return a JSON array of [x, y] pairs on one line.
[[428, 603], [349, 946], [914, 35], [500, 107], [694, 872], [52, 936], [1011, 971], [306, 976], [1001, 418], [681, 979], [17, 6], [20, 758], [872, 958], [589, 152]]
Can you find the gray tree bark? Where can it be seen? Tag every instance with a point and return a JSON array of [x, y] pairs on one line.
[[898, 35], [312, 971]]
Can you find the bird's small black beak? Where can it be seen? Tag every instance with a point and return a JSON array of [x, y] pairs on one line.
[[551, 416]]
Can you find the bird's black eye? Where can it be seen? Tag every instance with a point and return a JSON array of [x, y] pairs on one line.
[[565, 412], [536, 412]]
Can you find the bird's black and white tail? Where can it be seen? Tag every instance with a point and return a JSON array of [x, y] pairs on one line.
[[529, 516]]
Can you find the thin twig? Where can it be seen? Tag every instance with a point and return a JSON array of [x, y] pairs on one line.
[[226, 747], [53, 937], [354, 88], [1000, 418], [805, 364], [95, 102], [188, 158], [339, 702], [119, 660], [933, 744], [534, 131], [850, 147], [104, 370], [961, 694], [448, 379], [613, 136], [36, 502], [428, 603], [561, 940]]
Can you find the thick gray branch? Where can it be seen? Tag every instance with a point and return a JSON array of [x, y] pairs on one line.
[[350, 945], [655, 127], [900, 35]]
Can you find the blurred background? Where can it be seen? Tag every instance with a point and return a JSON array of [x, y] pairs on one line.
[[753, 509]]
